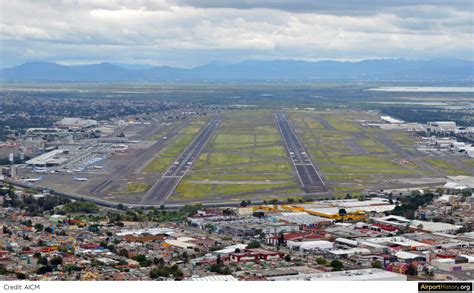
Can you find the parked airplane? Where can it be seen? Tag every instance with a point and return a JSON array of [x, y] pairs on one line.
[[33, 179], [39, 170]]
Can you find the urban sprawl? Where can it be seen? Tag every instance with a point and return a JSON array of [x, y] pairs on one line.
[[180, 191]]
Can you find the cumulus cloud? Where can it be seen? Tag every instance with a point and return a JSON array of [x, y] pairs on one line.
[[188, 33]]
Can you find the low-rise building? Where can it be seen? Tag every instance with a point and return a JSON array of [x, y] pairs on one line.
[[353, 275], [256, 254]]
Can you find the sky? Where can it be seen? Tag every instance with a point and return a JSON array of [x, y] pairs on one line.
[[189, 33]]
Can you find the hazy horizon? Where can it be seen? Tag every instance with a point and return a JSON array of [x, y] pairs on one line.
[[138, 66], [187, 34]]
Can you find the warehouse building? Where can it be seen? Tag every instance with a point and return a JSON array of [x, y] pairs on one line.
[[353, 275], [453, 264], [310, 245], [49, 159], [75, 123], [399, 242], [442, 126], [401, 222], [346, 253]]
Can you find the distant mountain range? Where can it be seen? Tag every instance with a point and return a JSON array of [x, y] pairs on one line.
[[281, 70]]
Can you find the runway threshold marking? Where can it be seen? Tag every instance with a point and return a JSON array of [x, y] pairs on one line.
[[305, 159], [205, 133]]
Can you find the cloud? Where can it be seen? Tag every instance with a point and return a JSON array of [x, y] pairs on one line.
[[189, 33], [334, 7]]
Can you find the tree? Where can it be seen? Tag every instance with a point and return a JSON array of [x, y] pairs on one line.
[[377, 264], [190, 209], [287, 258], [336, 265], [342, 212], [178, 274], [71, 268], [44, 269], [42, 260], [215, 268], [56, 261], [219, 268], [161, 271], [185, 257], [38, 227], [81, 206], [321, 261], [5, 230], [466, 193], [140, 258], [123, 252], [411, 203], [253, 244], [461, 230], [411, 270], [159, 261], [210, 228], [27, 223], [273, 201], [226, 271], [228, 212]]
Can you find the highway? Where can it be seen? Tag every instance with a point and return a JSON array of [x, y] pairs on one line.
[[162, 189], [310, 179]]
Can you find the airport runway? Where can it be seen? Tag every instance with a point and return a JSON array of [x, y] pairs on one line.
[[162, 189], [388, 142], [310, 178], [137, 162]]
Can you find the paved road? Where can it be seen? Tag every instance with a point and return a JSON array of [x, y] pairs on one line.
[[310, 178], [323, 121], [162, 189]]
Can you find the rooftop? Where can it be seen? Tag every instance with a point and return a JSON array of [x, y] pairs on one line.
[[214, 278], [354, 275]]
